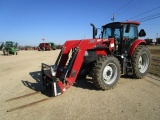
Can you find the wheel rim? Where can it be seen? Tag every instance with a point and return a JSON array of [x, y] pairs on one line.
[[143, 62], [110, 73]]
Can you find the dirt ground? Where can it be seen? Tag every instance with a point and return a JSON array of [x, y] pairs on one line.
[[155, 64], [20, 75]]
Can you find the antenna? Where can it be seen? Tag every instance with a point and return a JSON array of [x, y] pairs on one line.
[[112, 18]]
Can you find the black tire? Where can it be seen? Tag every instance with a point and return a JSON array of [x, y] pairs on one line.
[[106, 72], [39, 49], [8, 53], [141, 60], [4, 52]]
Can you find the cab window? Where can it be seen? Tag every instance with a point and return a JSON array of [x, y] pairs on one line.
[[132, 34]]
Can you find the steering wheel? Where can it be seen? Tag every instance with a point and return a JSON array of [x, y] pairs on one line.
[[133, 37], [116, 36], [130, 39]]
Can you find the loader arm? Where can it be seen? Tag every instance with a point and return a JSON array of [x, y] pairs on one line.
[[79, 48], [67, 66]]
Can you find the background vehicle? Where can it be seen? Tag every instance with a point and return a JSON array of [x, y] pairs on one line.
[[10, 47], [53, 46], [44, 47], [118, 51], [1, 45]]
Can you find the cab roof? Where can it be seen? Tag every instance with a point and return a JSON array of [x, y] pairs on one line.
[[126, 22], [132, 22]]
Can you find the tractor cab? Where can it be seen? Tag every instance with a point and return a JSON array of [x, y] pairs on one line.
[[9, 44], [124, 34]]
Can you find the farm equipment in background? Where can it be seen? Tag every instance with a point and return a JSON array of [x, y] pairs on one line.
[[10, 47], [53, 46], [117, 52], [44, 47], [1, 45], [47, 46]]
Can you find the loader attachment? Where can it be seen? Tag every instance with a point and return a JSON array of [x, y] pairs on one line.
[[64, 72], [49, 80]]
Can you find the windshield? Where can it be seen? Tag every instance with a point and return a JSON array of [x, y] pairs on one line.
[[112, 31], [9, 44]]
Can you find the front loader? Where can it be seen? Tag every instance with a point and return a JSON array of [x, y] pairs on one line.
[[117, 52]]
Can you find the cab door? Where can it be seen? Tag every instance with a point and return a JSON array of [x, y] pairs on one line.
[[129, 36]]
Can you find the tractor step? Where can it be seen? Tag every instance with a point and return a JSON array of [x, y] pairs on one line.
[[129, 66]]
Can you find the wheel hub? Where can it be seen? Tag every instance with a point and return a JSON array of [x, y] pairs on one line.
[[109, 73], [143, 62]]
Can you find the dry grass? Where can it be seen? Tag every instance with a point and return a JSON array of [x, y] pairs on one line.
[[155, 64]]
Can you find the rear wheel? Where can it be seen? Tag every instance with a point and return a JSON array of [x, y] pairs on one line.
[[141, 60], [106, 72]]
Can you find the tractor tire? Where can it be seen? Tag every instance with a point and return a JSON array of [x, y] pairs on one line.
[[106, 72], [4, 52], [7, 53], [43, 49], [141, 61], [39, 49]]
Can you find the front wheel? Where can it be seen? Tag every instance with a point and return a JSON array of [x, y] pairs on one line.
[[4, 52], [141, 59], [106, 72], [43, 49], [7, 52]]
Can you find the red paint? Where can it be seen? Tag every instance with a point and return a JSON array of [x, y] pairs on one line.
[[135, 44], [82, 46]]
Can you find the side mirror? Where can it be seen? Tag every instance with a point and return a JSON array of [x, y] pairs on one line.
[[127, 28], [142, 33], [94, 30]]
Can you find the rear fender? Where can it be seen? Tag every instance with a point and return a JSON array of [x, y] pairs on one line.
[[134, 45]]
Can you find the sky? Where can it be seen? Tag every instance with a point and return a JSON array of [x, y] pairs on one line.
[[28, 21]]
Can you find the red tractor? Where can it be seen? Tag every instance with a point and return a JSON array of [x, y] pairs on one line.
[[117, 52], [44, 47]]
